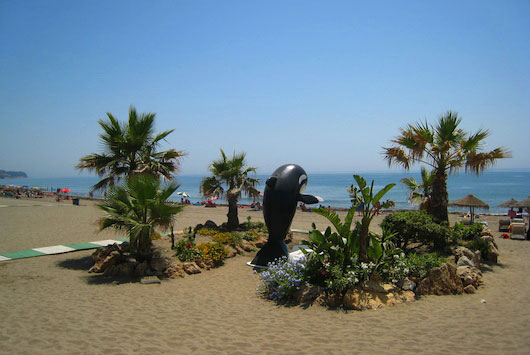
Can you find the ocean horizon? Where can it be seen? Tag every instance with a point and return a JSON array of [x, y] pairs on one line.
[[492, 187]]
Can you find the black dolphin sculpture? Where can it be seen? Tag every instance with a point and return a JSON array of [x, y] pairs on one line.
[[282, 192]]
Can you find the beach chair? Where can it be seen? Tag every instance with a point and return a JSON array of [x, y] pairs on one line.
[[517, 228], [504, 225]]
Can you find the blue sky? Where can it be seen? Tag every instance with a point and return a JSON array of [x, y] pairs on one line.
[[323, 84]]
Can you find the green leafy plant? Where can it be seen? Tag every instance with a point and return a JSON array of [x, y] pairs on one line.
[[463, 232], [282, 279], [415, 227], [363, 197], [185, 250], [481, 245], [420, 264]]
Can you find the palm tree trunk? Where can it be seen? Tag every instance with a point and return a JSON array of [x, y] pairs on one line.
[[233, 219], [363, 241], [439, 198]]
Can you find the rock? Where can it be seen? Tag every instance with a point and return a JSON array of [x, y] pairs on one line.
[[247, 246], [470, 289], [464, 261], [477, 259], [124, 269], [146, 280], [142, 269], [378, 286], [260, 242], [469, 276], [239, 249], [489, 238], [407, 285], [174, 271], [334, 300], [158, 265], [307, 294], [204, 264], [210, 224], [493, 256], [442, 280], [373, 295], [470, 255], [104, 263], [230, 252], [191, 268]]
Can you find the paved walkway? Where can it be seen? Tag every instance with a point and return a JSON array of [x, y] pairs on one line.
[[59, 249]]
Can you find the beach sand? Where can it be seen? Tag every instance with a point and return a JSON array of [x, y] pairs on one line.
[[50, 304]]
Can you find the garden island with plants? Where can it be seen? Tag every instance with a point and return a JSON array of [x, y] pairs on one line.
[[347, 265]]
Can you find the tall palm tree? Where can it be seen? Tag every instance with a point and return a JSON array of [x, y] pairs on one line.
[[420, 192], [130, 149], [446, 148], [230, 178], [138, 207]]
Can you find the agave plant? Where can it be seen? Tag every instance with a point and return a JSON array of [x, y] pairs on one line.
[[137, 208]]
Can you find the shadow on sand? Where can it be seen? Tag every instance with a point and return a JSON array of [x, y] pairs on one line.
[[85, 263]]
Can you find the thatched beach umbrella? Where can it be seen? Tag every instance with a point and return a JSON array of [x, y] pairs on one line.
[[471, 202], [524, 203], [510, 203]]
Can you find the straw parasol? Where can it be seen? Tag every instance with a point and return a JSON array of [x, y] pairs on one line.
[[524, 203], [510, 203], [471, 202]]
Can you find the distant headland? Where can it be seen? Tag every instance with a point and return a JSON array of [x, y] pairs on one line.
[[12, 174]]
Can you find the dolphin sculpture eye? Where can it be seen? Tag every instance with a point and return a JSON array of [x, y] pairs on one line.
[[302, 181]]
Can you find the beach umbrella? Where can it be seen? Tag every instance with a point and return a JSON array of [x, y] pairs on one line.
[[471, 202], [183, 194], [66, 190], [524, 203], [510, 203]]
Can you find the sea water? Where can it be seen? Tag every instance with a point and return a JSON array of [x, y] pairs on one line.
[[492, 187]]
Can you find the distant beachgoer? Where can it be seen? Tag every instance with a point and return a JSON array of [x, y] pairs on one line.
[[512, 213]]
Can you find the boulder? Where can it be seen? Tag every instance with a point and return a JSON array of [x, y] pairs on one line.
[[361, 297], [442, 280], [239, 249], [470, 255], [175, 270], [308, 294], [407, 285], [470, 289], [493, 255], [260, 242], [158, 265], [489, 238], [191, 268], [464, 261], [210, 224], [105, 260], [378, 286], [247, 246], [142, 269], [204, 264], [469, 276], [230, 252]]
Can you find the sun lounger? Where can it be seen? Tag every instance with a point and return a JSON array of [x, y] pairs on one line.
[[518, 229], [504, 225]]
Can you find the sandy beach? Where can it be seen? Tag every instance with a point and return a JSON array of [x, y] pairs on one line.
[[51, 305]]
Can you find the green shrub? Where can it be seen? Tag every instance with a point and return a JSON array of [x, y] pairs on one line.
[[415, 227], [186, 251], [251, 235], [481, 245], [463, 232], [420, 264], [282, 279]]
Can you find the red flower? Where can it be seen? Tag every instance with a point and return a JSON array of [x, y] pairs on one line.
[[189, 245], [323, 272]]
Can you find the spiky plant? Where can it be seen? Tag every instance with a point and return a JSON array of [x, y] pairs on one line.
[[137, 207], [420, 192]]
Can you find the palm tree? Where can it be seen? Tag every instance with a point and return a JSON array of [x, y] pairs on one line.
[[137, 207], [420, 192], [446, 148], [130, 149], [230, 178]]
